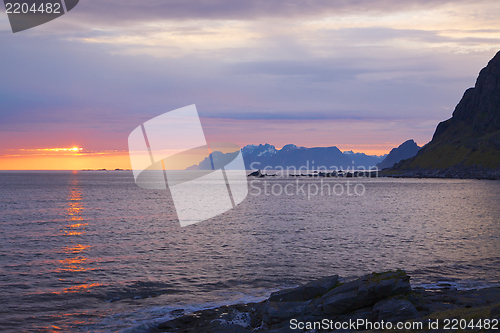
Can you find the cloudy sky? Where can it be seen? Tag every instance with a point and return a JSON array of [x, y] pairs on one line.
[[363, 75]]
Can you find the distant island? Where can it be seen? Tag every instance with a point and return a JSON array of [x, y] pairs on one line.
[[266, 156]]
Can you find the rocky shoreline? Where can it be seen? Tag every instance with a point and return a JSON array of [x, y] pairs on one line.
[[331, 305], [456, 171]]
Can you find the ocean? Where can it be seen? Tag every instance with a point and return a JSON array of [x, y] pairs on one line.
[[92, 252]]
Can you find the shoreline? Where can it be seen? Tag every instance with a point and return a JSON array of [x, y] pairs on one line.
[[455, 172], [377, 297]]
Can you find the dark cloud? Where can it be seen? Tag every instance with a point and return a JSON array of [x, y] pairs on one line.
[[50, 82], [88, 78]]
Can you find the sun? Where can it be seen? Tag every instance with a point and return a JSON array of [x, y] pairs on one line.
[[67, 150]]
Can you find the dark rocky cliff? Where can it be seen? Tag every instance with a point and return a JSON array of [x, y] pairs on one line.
[[471, 138]]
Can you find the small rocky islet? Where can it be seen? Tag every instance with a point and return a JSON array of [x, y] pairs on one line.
[[375, 298], [327, 174]]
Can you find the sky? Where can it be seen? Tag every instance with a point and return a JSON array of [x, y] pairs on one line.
[[363, 75]]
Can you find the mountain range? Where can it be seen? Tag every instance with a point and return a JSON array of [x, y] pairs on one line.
[[294, 157]]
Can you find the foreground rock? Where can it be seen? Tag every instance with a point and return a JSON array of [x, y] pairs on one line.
[[379, 297]]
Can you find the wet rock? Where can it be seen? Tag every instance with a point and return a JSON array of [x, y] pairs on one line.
[[307, 291], [284, 329], [394, 310], [379, 296], [338, 304], [226, 328], [365, 313], [363, 292], [495, 312], [280, 311], [416, 300], [178, 322]]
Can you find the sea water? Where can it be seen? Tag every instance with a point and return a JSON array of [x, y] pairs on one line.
[[91, 251]]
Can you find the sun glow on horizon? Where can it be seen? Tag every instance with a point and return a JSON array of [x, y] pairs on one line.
[[73, 149], [63, 158]]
